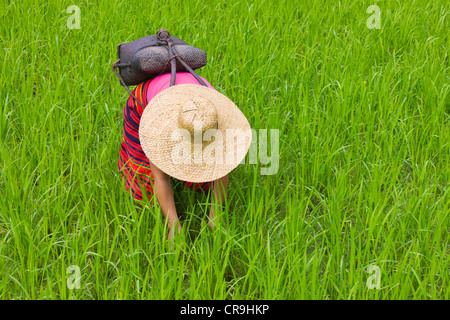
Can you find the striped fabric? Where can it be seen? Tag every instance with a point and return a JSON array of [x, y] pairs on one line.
[[133, 163]]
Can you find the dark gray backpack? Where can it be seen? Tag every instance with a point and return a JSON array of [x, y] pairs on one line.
[[150, 56]]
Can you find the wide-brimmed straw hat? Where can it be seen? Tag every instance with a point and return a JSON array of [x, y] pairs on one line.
[[194, 133]]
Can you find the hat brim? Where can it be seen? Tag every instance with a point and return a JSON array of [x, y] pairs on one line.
[[221, 152]]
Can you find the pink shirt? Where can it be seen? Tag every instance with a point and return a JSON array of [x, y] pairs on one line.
[[162, 82]]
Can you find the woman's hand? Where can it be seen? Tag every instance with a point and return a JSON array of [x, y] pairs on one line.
[[164, 194]]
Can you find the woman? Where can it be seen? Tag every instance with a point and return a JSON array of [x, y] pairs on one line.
[[142, 174]]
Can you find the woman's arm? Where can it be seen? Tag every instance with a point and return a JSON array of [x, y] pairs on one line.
[[164, 194]]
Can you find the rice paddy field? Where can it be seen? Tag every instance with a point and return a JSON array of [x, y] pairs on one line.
[[357, 209]]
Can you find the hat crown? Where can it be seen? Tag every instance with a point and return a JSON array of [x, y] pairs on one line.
[[198, 115]]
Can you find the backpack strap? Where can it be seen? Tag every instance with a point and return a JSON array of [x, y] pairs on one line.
[[164, 37], [114, 67]]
